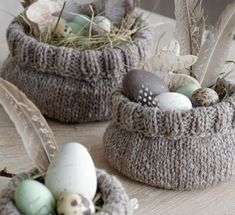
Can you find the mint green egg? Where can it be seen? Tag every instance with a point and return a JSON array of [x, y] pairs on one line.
[[82, 20], [188, 90], [33, 198], [78, 29]]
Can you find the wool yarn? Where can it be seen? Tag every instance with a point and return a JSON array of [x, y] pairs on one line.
[[116, 200], [172, 150], [66, 84]]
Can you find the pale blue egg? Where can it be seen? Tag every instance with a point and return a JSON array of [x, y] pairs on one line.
[[188, 90], [33, 198], [82, 20], [78, 29]]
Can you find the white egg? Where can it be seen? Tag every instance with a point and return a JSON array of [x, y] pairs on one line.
[[173, 101], [103, 25], [72, 170]]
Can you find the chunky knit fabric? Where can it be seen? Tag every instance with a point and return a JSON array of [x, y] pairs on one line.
[[116, 199], [65, 84], [172, 150]]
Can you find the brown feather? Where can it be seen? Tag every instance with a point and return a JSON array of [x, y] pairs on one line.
[[36, 135]]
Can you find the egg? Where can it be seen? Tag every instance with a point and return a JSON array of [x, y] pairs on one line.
[[72, 170], [33, 198], [204, 97], [142, 86], [80, 25], [103, 25], [63, 30], [71, 203], [82, 20], [172, 101], [78, 29], [188, 90]]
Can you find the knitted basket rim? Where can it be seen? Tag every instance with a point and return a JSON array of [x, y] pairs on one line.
[[200, 121], [117, 201], [63, 59]]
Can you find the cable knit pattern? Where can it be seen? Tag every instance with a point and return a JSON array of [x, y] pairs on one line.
[[116, 199], [172, 150], [69, 85]]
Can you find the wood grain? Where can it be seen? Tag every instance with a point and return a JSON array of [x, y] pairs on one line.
[[219, 200]]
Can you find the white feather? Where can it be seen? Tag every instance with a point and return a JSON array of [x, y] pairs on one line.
[[189, 25], [213, 53]]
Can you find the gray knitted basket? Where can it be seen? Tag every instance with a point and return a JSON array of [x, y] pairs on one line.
[[116, 199], [65, 84], [172, 150]]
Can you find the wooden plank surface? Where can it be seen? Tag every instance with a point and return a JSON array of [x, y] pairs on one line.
[[219, 200]]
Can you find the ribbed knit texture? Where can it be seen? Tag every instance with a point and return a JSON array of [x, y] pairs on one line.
[[65, 84], [172, 150], [116, 199]]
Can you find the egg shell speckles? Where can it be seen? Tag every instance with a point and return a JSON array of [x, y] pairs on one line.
[[172, 101], [142, 87], [71, 203], [204, 97]]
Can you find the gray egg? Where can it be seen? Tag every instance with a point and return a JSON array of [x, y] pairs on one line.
[[204, 97], [143, 86]]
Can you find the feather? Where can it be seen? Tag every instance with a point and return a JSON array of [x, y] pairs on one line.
[[213, 53], [36, 135], [26, 3], [168, 62], [115, 10], [172, 48], [75, 7], [175, 81], [190, 25]]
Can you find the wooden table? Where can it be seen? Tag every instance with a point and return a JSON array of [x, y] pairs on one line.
[[219, 200]]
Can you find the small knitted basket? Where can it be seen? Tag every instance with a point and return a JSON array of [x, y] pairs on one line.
[[116, 201], [65, 84], [172, 150]]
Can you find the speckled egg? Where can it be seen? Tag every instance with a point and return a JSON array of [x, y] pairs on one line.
[[63, 30], [142, 87], [188, 90], [33, 198], [204, 97], [172, 101], [74, 204]]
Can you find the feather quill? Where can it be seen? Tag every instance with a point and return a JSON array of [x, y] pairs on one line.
[[190, 25], [213, 53], [36, 135]]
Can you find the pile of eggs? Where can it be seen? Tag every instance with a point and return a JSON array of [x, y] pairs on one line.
[[149, 90], [80, 26], [70, 186]]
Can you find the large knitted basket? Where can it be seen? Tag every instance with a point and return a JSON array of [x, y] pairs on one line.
[[172, 150], [116, 201], [65, 84]]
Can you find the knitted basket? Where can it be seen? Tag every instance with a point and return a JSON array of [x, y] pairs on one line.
[[65, 84], [116, 200], [172, 150]]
